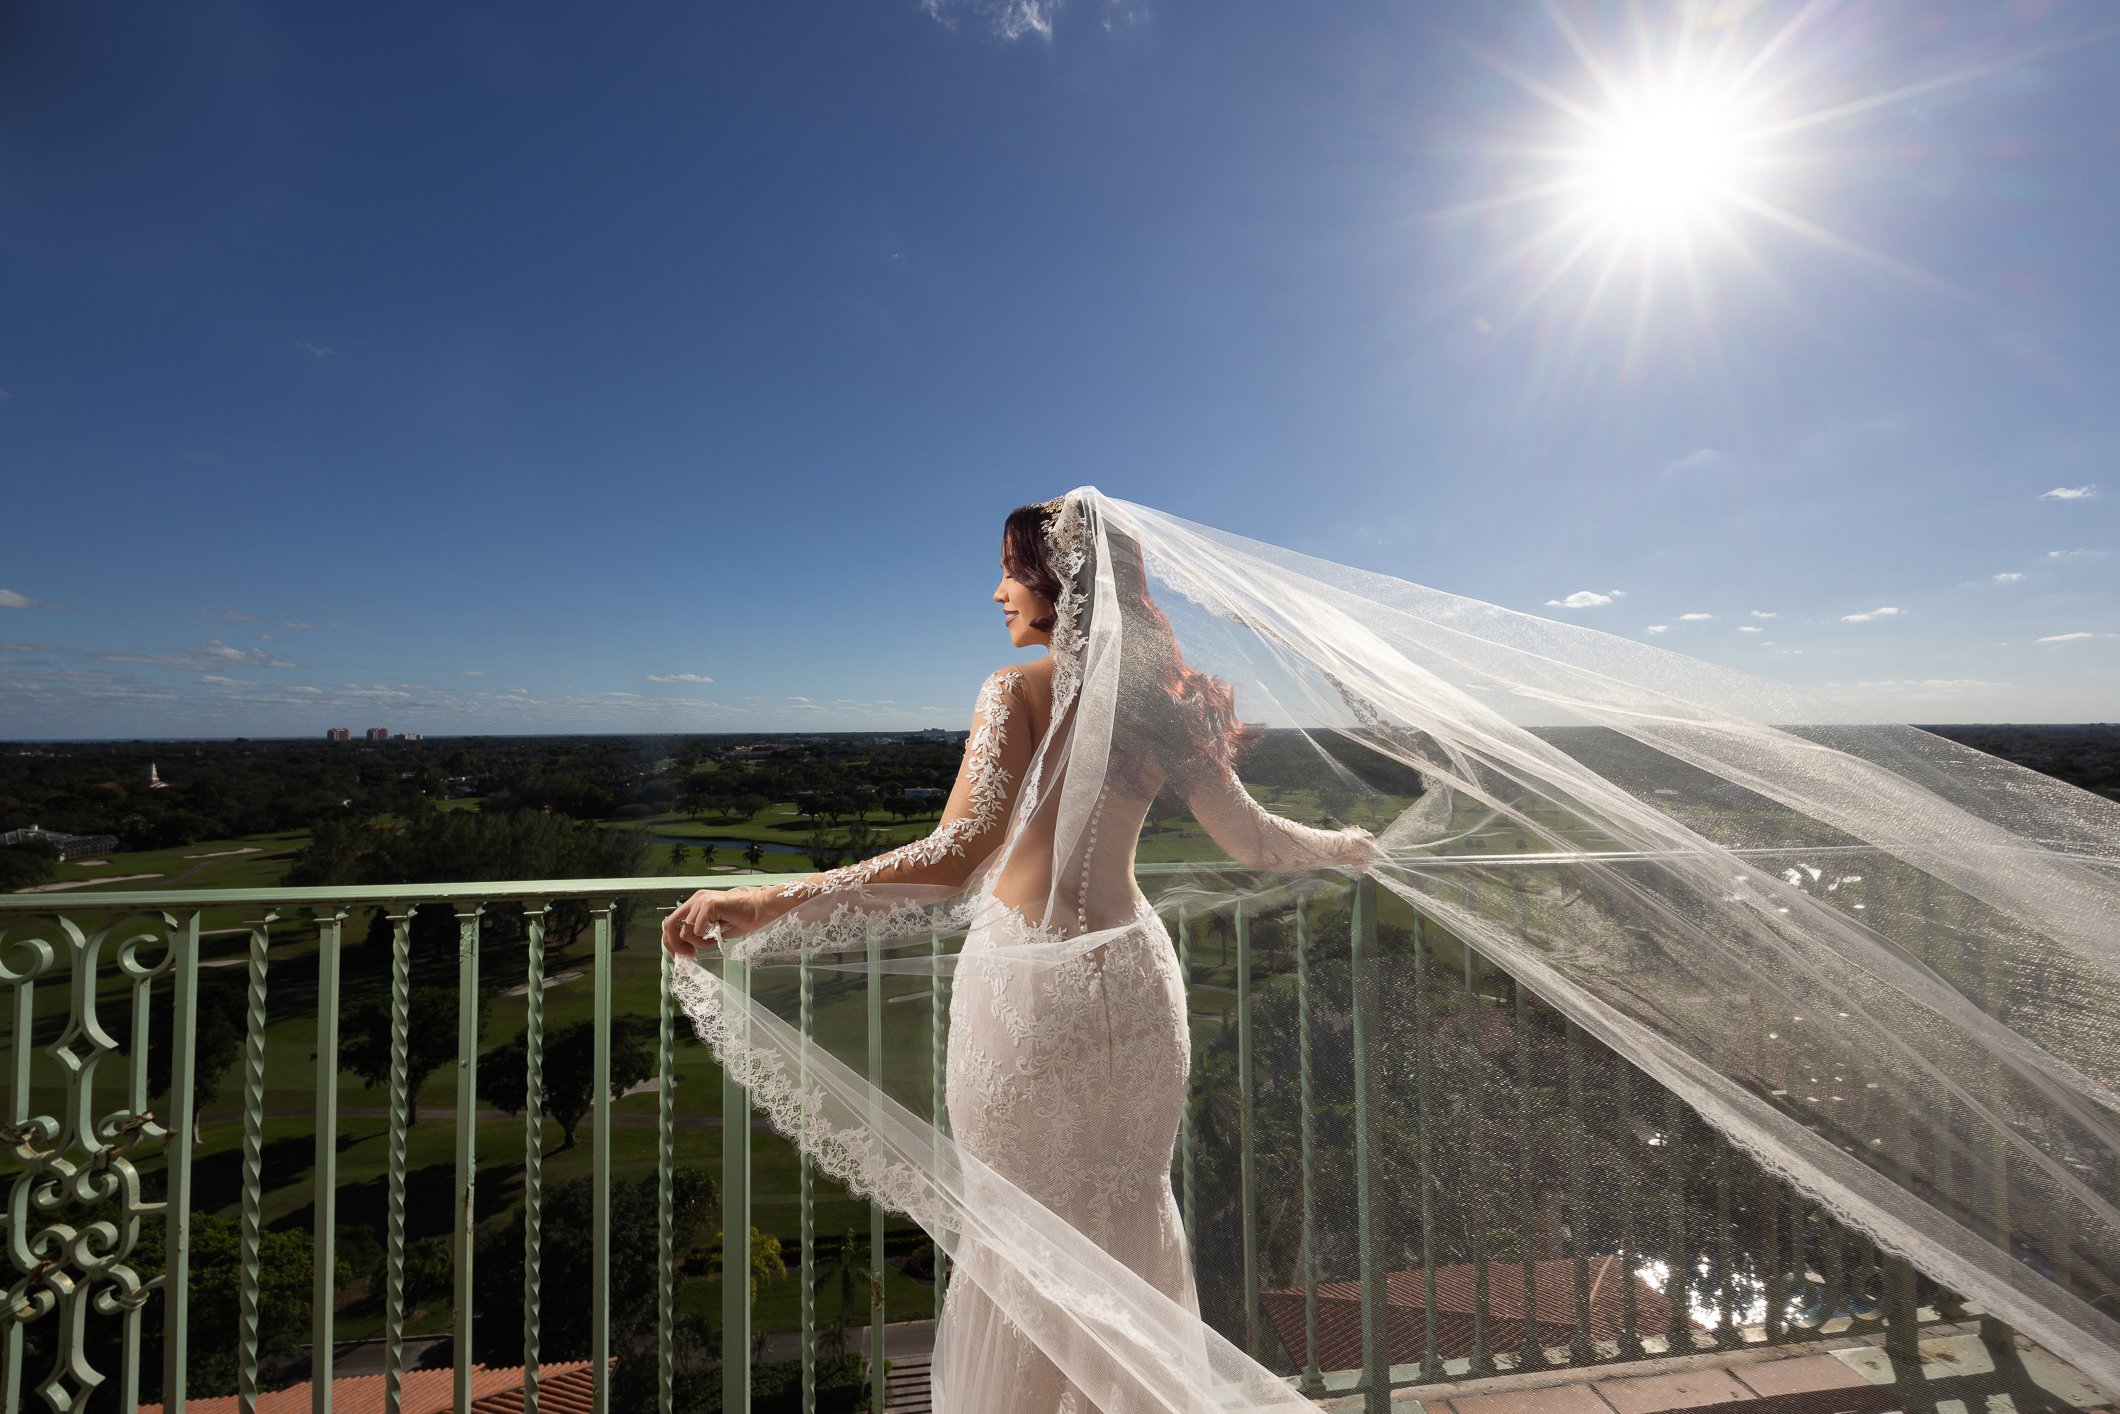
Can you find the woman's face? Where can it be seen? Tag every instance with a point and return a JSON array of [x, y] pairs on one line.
[[1019, 605]]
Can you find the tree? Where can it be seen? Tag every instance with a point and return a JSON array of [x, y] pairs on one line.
[[678, 855], [753, 853], [223, 1005], [216, 1250], [569, 1069], [24, 865], [566, 1256], [851, 1265], [706, 858], [766, 1263], [364, 1040]]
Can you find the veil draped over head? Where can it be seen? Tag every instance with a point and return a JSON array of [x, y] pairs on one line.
[[1882, 964]]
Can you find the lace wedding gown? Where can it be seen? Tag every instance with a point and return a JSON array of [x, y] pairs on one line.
[[1066, 1069], [1627, 832]]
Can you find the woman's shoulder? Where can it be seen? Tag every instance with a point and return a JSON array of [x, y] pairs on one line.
[[1029, 685], [1031, 681]]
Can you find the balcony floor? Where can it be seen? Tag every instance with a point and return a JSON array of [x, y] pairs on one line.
[[1845, 1374]]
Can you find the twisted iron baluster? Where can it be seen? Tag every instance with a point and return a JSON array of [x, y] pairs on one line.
[[394, 1161], [533, 1152], [251, 1263]]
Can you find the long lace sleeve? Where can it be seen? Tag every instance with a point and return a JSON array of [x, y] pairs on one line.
[[1254, 836], [996, 754]]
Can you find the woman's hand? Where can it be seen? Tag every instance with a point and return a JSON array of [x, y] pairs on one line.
[[1362, 849], [708, 917]]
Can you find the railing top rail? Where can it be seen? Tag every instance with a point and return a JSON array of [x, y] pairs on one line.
[[470, 890], [553, 890]]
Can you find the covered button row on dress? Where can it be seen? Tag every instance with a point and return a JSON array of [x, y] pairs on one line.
[[1089, 848]]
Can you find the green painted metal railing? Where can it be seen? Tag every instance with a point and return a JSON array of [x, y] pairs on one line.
[[82, 1160]]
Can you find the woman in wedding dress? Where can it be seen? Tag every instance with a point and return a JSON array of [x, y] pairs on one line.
[[1729, 882], [1066, 1079]]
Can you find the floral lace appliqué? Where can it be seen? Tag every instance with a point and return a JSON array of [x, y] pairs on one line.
[[989, 793]]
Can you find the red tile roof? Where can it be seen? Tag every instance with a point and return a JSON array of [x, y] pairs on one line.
[[561, 1389], [1553, 1282]]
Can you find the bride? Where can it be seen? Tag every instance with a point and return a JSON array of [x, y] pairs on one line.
[[1065, 1078], [1737, 888]]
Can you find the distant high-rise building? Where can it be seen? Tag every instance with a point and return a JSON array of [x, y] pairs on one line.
[[154, 778], [411, 736], [379, 733], [339, 734]]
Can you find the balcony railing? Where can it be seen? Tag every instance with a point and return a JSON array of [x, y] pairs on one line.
[[1476, 1247]]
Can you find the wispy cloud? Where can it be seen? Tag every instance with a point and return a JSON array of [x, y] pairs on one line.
[[10, 599], [1763, 613], [1700, 462], [1587, 599], [470, 672], [2066, 554], [1884, 613], [1010, 19], [2070, 637], [679, 677], [1926, 689], [1693, 618], [2009, 577], [2069, 493], [200, 658], [318, 349], [1750, 628], [239, 616], [1658, 628]]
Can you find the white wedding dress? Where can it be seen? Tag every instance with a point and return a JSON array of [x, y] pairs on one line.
[[1628, 832], [1070, 1084], [1067, 1066]]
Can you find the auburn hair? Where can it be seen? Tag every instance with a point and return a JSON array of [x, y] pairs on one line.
[[1187, 723]]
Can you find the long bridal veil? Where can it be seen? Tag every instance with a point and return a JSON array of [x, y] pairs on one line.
[[1881, 964]]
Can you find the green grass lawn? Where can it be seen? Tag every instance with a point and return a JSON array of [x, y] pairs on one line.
[[290, 1071]]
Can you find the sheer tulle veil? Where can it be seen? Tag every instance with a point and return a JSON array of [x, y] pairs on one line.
[[1883, 965]]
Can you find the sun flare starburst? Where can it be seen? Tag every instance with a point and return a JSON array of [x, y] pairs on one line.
[[1654, 175], [1657, 166]]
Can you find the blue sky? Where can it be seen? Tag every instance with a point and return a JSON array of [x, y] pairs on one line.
[[501, 368]]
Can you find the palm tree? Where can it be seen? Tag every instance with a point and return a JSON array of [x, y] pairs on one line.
[[706, 858], [753, 853], [678, 855], [851, 1265]]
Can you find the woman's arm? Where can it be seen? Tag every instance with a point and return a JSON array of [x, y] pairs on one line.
[[996, 754], [1253, 836]]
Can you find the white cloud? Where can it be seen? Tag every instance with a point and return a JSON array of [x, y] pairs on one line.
[[218, 681], [1659, 628], [1700, 461], [1010, 19], [1750, 628], [1587, 599], [1922, 688], [10, 599], [679, 677], [2069, 493], [2008, 577], [1884, 613], [2065, 637], [1763, 613], [199, 658], [1694, 618], [470, 672], [2066, 554]]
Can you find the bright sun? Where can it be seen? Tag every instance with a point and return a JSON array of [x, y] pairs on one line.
[[1654, 169]]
